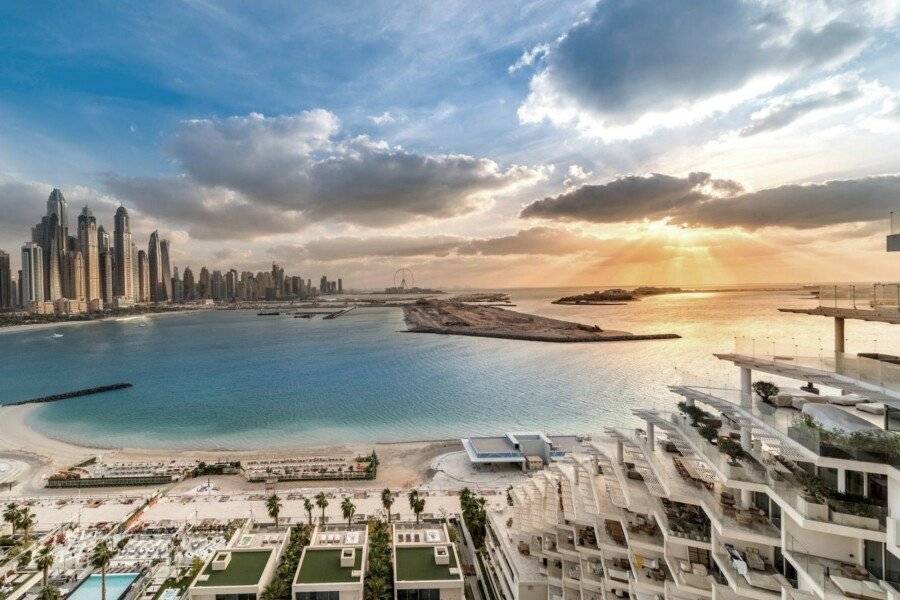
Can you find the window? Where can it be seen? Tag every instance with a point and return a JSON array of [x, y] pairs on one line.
[[317, 595], [419, 594], [235, 596]]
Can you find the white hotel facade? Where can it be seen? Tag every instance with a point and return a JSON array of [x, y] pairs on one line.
[[726, 496]]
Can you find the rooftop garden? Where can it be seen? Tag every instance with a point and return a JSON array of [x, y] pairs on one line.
[[323, 565], [416, 563], [246, 568]]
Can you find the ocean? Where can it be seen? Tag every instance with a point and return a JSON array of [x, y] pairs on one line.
[[235, 380]]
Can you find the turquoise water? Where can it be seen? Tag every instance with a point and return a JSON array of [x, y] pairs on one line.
[[231, 379], [116, 584]]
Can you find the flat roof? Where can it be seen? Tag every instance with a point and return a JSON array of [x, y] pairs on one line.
[[416, 563], [323, 565], [246, 568]]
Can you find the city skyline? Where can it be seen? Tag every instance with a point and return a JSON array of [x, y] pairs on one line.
[[470, 144]]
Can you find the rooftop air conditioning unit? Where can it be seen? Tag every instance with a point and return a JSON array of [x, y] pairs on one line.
[[441, 555], [348, 557], [221, 561]]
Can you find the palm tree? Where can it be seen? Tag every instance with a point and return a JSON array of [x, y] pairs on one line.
[[273, 505], [418, 507], [321, 502], [26, 521], [376, 586], [11, 515], [308, 506], [348, 508], [387, 501], [45, 561], [100, 559], [412, 496], [48, 592]]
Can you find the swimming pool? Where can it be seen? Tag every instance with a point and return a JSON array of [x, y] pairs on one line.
[[116, 586]]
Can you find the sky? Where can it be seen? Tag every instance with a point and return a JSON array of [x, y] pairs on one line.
[[480, 144]]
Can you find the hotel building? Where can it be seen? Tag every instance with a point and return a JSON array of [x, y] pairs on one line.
[[731, 494]]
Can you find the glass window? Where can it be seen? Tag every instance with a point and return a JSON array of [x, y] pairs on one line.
[[875, 558], [317, 596], [424, 594]]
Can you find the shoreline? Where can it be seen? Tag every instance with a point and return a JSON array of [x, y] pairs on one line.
[[402, 462], [108, 319]]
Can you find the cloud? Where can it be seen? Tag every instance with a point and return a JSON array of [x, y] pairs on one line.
[[529, 57], [341, 248], [784, 110], [537, 240], [700, 200], [384, 118], [256, 175], [631, 198], [545, 241], [635, 66], [207, 213], [802, 206]]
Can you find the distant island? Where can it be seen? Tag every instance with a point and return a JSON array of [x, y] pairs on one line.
[[459, 318], [483, 297], [411, 290], [617, 295]]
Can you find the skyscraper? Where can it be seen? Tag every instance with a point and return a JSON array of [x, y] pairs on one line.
[[143, 279], [340, 286], [217, 286], [88, 243], [106, 276], [231, 284], [75, 276], [52, 238], [203, 284], [103, 243], [177, 287], [165, 268], [6, 297], [123, 277], [154, 259], [57, 205], [190, 292], [32, 281]]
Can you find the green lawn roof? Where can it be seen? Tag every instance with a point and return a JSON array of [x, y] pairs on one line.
[[246, 568], [416, 563], [323, 565]]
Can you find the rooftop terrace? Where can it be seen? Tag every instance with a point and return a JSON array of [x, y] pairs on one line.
[[245, 568], [416, 563], [323, 565]]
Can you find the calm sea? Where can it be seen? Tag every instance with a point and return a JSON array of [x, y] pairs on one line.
[[232, 379]]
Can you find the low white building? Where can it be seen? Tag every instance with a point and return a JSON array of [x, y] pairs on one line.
[[333, 565], [426, 564]]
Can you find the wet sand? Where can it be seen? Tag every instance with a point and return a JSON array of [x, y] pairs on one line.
[[401, 464]]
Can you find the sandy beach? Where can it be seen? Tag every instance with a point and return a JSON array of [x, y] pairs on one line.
[[402, 464]]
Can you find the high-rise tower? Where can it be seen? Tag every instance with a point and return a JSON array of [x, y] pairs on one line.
[[6, 296], [165, 268], [123, 276], [32, 280], [154, 260], [90, 252]]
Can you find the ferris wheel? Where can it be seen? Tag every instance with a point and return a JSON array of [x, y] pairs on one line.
[[403, 278]]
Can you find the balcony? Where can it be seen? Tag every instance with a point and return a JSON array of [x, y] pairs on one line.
[[830, 577], [748, 572], [850, 372]]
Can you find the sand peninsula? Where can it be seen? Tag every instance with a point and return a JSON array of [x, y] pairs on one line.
[[621, 296], [458, 318]]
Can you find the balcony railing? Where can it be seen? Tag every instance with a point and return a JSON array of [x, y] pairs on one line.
[[876, 373], [878, 296]]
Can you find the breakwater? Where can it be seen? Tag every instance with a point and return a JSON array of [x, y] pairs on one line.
[[74, 394]]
